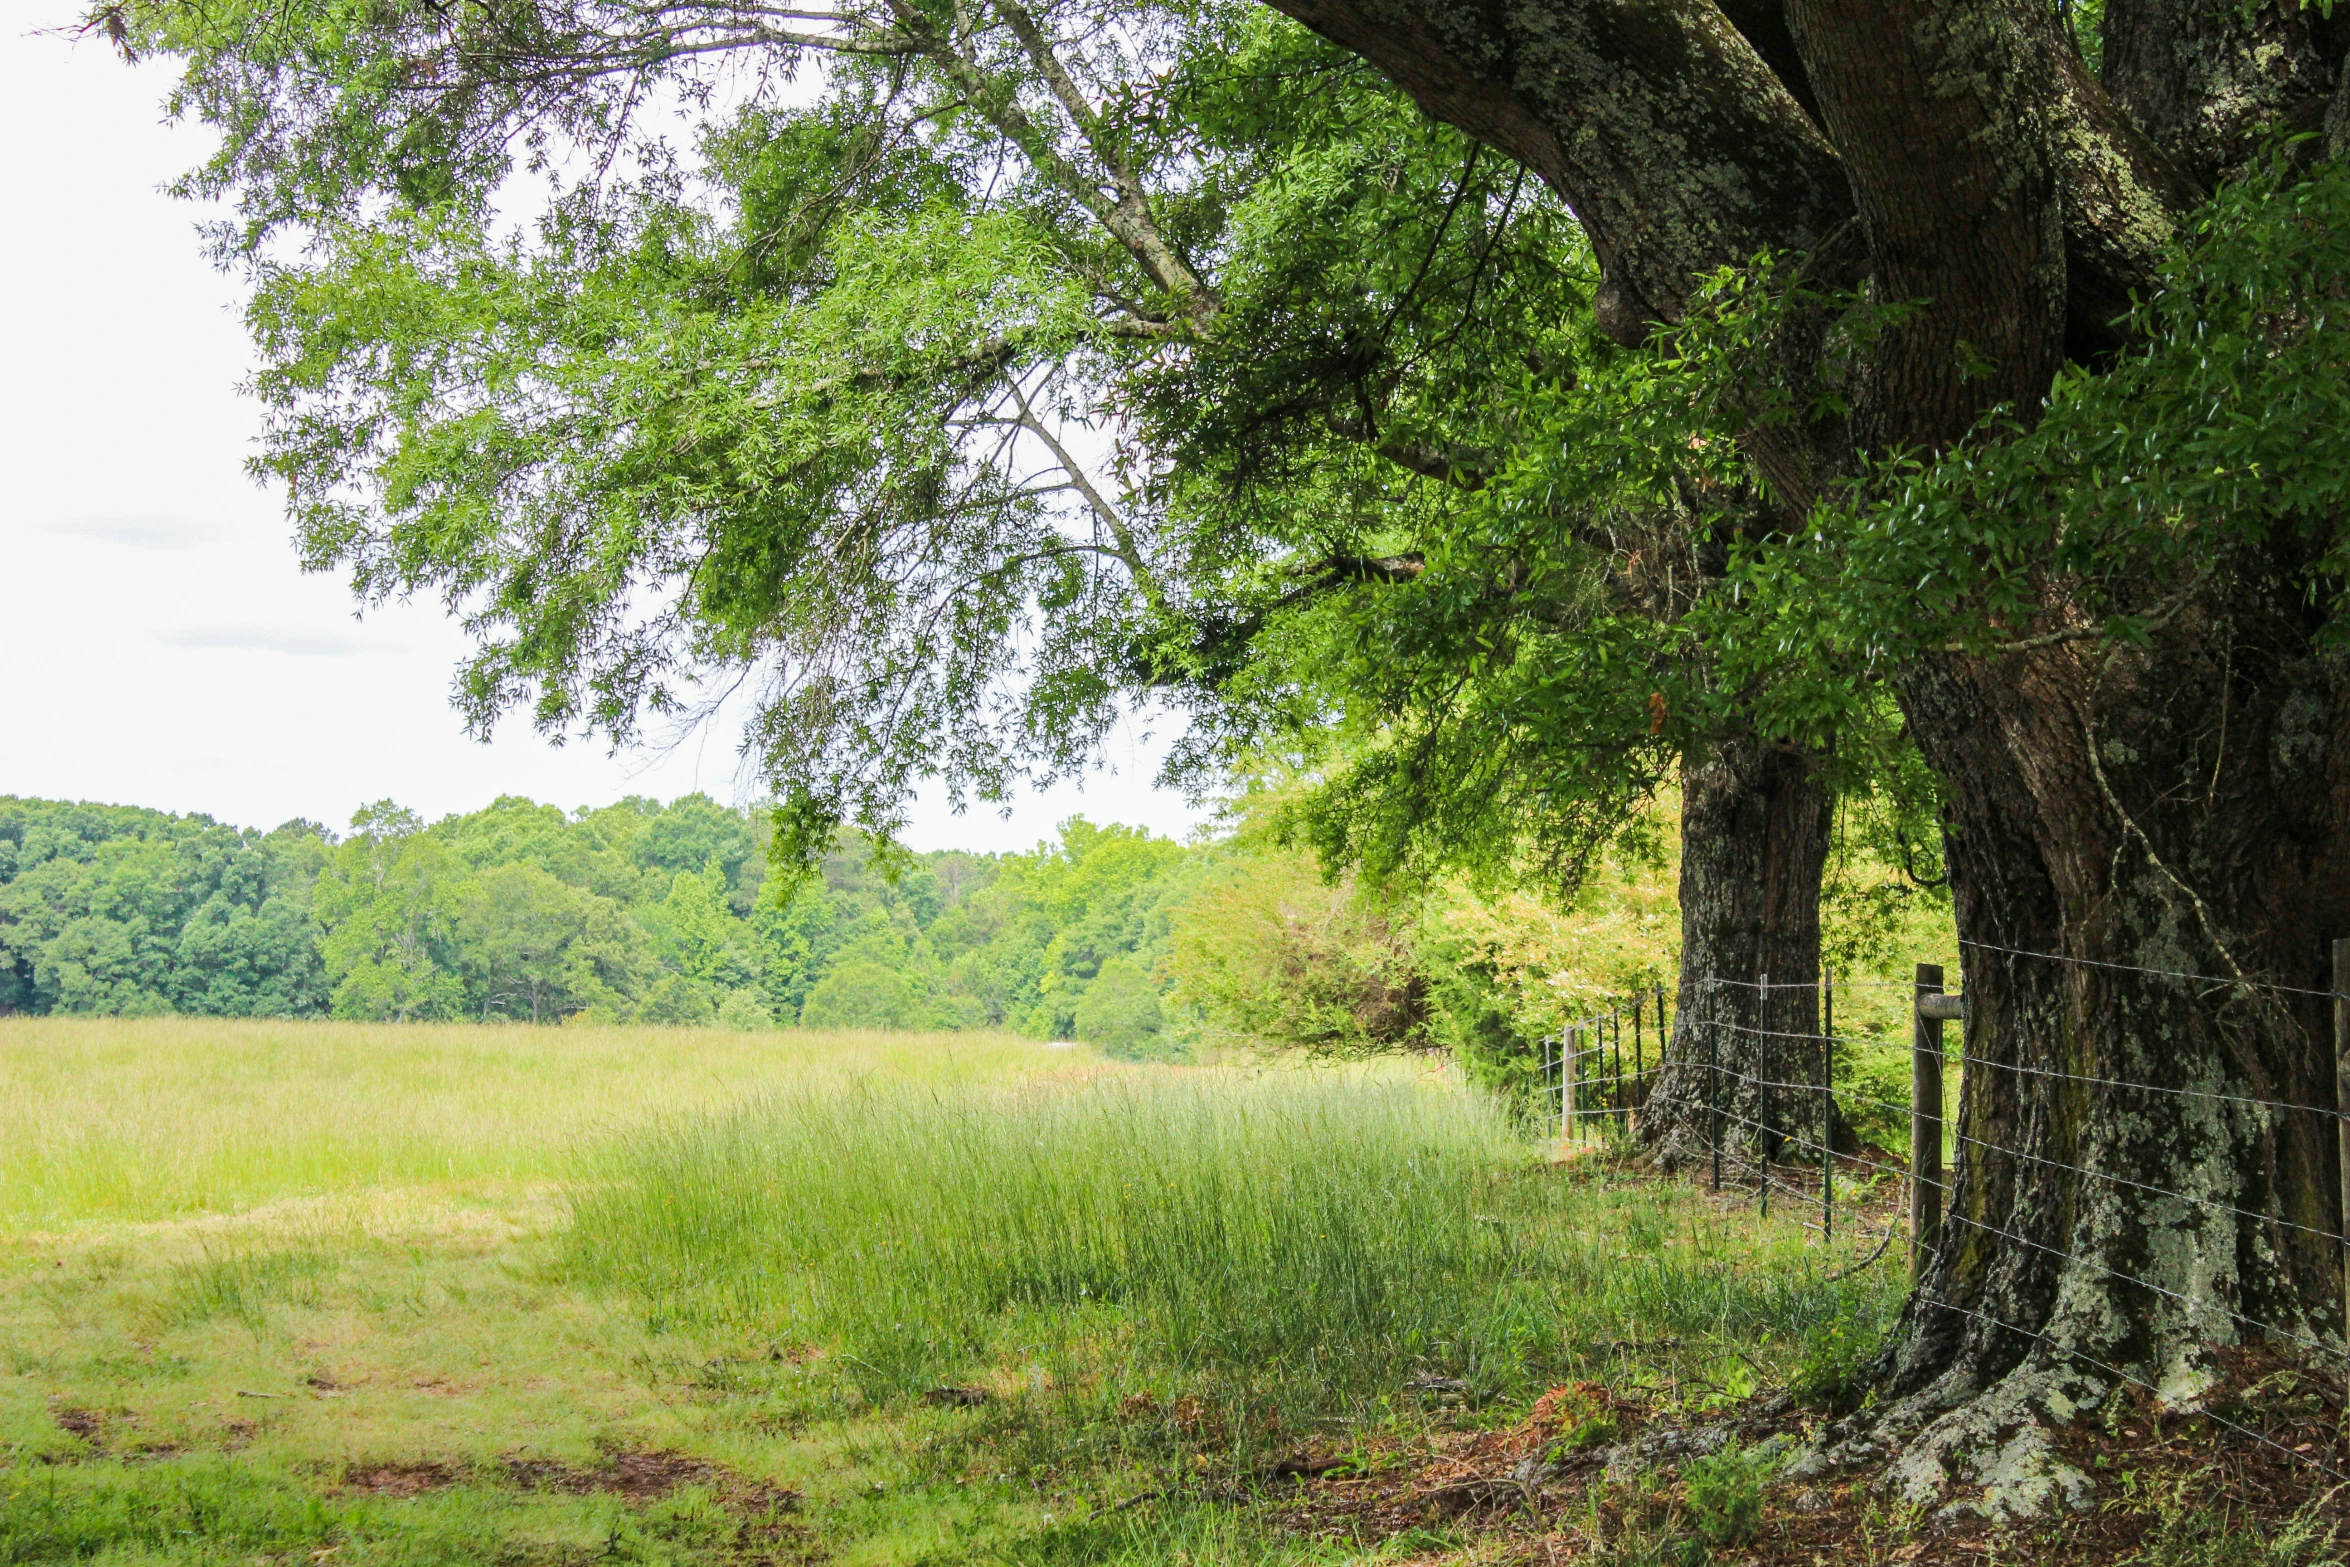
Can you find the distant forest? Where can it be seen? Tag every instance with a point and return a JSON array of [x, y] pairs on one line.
[[642, 912], [636, 912]]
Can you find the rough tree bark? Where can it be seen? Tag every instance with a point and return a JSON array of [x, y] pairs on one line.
[[2210, 83], [2181, 809], [2092, 1230], [2184, 807], [1755, 820]]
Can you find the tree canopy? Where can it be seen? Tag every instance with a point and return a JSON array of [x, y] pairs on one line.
[[1759, 389], [952, 378]]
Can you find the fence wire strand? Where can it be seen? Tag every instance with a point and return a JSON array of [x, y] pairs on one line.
[[1614, 1095], [2238, 982]]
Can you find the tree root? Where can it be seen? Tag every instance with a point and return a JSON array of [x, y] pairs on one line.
[[1970, 1452]]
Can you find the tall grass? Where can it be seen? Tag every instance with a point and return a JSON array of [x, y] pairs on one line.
[[114, 1119], [1314, 1238]]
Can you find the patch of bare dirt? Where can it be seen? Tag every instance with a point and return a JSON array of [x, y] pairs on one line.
[[649, 1476], [88, 1424], [407, 1479], [767, 1536]]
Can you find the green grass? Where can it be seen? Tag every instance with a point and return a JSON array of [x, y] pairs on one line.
[[115, 1119], [215, 1509], [1298, 1242], [240, 1263]]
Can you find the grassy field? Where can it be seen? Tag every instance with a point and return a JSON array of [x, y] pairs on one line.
[[327, 1294], [106, 1120]]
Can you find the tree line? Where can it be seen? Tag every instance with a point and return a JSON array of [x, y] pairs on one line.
[[637, 912], [671, 914]]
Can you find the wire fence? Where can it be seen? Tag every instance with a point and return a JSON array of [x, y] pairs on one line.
[[1777, 1126]]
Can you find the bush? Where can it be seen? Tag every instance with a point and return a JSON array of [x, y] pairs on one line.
[[745, 1012], [1832, 1376], [862, 994], [678, 1002], [1725, 1494], [1119, 1012], [1272, 952]]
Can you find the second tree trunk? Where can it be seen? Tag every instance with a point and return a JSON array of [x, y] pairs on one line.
[[1755, 820]]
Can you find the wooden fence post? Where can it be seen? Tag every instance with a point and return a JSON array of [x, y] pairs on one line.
[[1925, 1119]]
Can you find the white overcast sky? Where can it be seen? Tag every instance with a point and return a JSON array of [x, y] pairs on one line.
[[159, 645]]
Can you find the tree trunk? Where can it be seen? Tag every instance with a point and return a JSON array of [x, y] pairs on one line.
[[2178, 810], [1754, 842], [2214, 84], [2123, 810]]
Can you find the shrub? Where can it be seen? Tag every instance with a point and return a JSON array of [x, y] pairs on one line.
[[679, 1002], [745, 1012], [1120, 1013], [1272, 952], [862, 994], [1833, 1374], [1724, 1493]]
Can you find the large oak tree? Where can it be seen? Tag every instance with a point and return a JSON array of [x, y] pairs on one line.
[[752, 438], [2144, 748]]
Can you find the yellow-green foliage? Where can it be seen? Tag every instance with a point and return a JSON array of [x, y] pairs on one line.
[[1269, 950], [1619, 935], [1271, 953]]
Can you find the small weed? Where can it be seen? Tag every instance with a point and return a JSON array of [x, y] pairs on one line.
[[2188, 1532], [1191, 1536], [1832, 1375], [1597, 1431], [1724, 1494], [242, 1283]]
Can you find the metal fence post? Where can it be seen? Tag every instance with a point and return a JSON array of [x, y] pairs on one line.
[[1542, 1078], [1925, 1120], [1567, 1086], [2342, 1103], [1762, 1087], [1662, 1039], [1618, 1103], [1827, 1105], [1713, 1081], [1639, 1055]]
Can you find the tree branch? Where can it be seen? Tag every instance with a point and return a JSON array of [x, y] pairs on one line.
[[1129, 549], [1134, 225]]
